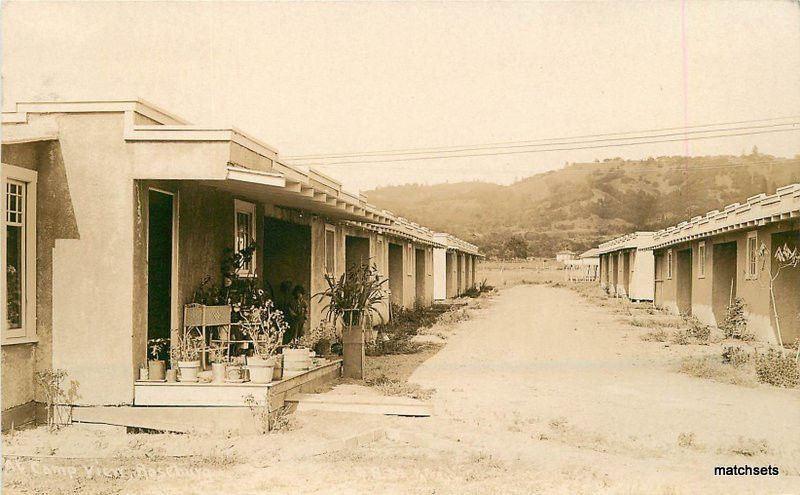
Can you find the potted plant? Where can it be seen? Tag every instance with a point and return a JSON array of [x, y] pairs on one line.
[[218, 362], [264, 326], [156, 366], [319, 338], [187, 357], [352, 300]]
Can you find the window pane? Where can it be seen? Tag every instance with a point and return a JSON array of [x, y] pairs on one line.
[[244, 236], [330, 253], [14, 276]]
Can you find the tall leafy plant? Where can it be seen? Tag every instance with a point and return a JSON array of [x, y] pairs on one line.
[[353, 298]]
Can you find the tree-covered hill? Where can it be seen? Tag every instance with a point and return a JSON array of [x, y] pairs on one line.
[[583, 204]]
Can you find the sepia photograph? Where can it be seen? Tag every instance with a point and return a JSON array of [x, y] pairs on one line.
[[400, 247]]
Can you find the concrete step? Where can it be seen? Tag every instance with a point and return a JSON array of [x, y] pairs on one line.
[[170, 419], [364, 404]]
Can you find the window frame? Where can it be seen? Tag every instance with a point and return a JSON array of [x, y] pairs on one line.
[[670, 260], [702, 252], [752, 255], [332, 270], [27, 332], [240, 206]]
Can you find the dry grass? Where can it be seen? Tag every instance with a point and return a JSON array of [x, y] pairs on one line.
[[750, 447], [503, 274], [712, 368], [390, 386], [656, 336]]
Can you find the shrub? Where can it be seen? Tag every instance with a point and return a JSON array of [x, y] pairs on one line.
[[777, 369], [680, 337], [393, 343], [735, 356], [697, 330], [734, 324]]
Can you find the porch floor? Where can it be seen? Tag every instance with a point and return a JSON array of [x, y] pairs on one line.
[[184, 407]]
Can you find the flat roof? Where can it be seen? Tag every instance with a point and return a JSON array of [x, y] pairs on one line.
[[247, 165], [757, 211], [634, 240]]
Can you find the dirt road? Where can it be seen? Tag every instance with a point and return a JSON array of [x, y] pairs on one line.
[[542, 393]]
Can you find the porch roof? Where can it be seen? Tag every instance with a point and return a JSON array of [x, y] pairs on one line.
[[634, 240], [223, 157], [403, 229], [758, 211], [453, 243]]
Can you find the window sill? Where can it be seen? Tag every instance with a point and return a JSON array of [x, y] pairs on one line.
[[19, 340]]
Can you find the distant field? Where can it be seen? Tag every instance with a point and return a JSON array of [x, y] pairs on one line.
[[510, 273]]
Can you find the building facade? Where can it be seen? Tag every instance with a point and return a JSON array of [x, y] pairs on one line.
[[455, 266], [626, 268], [115, 212], [702, 264]]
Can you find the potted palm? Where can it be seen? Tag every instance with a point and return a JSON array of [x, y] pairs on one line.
[[264, 326], [352, 300]]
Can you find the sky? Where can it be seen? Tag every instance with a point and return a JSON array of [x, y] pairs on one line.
[[313, 78]]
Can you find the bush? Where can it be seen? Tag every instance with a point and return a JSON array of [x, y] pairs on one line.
[[735, 356], [697, 330], [680, 337], [394, 343], [734, 324], [777, 369]]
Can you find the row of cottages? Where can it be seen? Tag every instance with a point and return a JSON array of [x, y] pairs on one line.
[[585, 268], [455, 263], [702, 264], [626, 267], [115, 211]]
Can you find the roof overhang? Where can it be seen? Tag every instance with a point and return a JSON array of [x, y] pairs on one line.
[[401, 231], [758, 211], [634, 240]]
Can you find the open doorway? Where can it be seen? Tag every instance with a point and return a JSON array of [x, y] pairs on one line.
[[786, 289], [449, 263], [419, 272], [396, 273], [287, 271], [356, 250], [459, 274], [723, 284], [614, 272], [683, 280], [626, 273], [161, 263]]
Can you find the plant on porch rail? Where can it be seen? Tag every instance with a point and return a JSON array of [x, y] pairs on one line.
[[354, 297], [265, 326]]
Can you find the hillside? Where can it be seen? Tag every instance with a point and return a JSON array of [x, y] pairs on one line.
[[583, 204]]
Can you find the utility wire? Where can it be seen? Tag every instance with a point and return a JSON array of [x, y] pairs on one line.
[[796, 127], [553, 141]]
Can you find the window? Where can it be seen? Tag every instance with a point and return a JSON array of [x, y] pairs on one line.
[[669, 263], [245, 233], [410, 259], [752, 255], [19, 255], [701, 260], [330, 249]]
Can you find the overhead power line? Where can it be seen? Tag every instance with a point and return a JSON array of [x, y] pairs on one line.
[[795, 126], [685, 130]]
